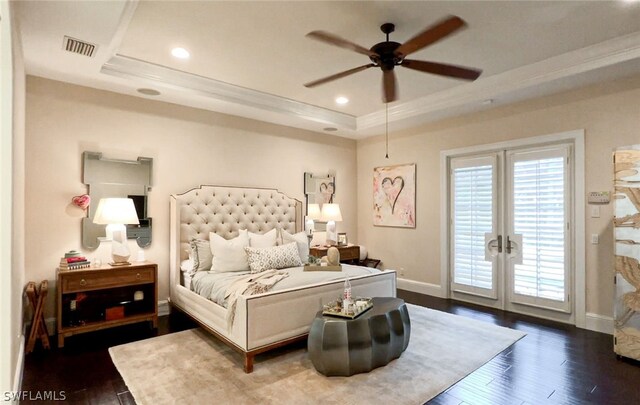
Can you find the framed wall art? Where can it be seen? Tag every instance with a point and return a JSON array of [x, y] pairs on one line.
[[394, 196]]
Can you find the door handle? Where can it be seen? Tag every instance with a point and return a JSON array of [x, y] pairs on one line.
[[493, 246], [513, 248]]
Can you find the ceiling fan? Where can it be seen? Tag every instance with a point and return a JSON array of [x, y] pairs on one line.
[[389, 54]]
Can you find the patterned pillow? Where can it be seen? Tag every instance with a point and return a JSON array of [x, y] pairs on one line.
[[277, 257], [200, 255]]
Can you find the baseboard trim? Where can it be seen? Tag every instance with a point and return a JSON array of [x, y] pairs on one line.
[[163, 308], [17, 379], [420, 287], [599, 323]]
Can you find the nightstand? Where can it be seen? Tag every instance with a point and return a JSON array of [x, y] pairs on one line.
[[348, 254], [104, 297]]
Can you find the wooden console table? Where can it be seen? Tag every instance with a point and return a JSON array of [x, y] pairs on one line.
[[104, 297]]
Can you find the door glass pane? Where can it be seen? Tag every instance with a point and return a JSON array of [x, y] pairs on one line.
[[472, 218], [539, 216]]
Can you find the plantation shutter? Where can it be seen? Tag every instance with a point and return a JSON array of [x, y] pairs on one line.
[[539, 215], [473, 216]]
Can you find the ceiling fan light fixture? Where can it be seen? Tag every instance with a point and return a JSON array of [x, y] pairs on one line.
[[180, 53], [148, 92], [342, 100]]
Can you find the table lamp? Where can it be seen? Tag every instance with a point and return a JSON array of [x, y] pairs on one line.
[[115, 213], [313, 214], [331, 214]]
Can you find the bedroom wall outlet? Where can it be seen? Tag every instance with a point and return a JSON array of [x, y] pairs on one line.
[[594, 239], [401, 271]]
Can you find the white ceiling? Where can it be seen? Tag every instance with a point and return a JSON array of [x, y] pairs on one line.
[[251, 58]]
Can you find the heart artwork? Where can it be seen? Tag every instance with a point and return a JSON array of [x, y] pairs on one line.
[[81, 201], [392, 190]]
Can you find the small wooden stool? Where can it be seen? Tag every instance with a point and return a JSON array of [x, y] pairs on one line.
[[38, 327]]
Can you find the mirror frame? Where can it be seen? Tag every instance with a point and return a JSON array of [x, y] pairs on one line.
[[128, 177]]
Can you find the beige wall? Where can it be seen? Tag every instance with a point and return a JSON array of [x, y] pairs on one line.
[[189, 147], [610, 115]]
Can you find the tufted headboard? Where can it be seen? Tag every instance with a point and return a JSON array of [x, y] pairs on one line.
[[226, 210]]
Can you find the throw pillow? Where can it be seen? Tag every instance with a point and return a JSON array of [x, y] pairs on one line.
[[276, 257], [263, 240], [229, 255], [200, 254], [301, 240]]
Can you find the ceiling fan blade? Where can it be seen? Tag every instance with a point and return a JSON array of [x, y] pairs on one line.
[[338, 75], [389, 86], [432, 34], [341, 42], [458, 72]]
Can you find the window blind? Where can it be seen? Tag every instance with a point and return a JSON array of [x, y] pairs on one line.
[[472, 218], [539, 216]]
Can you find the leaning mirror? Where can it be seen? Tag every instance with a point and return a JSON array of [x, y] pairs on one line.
[[116, 178], [319, 189]]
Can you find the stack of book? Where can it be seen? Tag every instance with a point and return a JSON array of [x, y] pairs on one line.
[[74, 263]]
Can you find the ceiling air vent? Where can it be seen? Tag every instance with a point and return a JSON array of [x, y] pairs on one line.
[[78, 46]]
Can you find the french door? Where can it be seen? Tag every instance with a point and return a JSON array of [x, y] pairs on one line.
[[510, 229]]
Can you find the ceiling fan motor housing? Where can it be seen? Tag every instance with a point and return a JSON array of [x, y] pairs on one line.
[[386, 57]]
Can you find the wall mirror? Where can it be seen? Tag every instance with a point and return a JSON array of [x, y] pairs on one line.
[[319, 189], [116, 178]]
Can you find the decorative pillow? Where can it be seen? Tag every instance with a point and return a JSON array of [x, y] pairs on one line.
[[186, 266], [276, 257], [229, 255], [263, 240], [301, 240], [200, 255]]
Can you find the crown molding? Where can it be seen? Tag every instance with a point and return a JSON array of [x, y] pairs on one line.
[[194, 85], [603, 54], [268, 107]]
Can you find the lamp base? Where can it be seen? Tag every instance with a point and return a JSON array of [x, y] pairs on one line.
[[116, 264], [119, 244], [332, 235]]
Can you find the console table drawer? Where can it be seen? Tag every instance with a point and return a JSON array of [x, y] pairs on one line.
[[99, 280]]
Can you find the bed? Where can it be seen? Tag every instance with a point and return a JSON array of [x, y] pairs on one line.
[[255, 329]]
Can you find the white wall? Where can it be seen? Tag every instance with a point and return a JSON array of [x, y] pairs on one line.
[[12, 203], [609, 113], [189, 147]]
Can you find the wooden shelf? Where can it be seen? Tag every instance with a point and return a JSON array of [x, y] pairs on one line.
[[97, 325]]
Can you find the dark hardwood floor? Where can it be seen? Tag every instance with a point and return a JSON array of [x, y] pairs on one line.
[[553, 364]]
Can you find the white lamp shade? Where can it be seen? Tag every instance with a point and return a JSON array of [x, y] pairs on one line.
[[313, 212], [331, 212], [116, 211]]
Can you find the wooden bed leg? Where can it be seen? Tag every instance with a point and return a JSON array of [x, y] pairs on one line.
[[248, 363]]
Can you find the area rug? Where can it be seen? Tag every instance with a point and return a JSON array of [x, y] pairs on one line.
[[192, 367]]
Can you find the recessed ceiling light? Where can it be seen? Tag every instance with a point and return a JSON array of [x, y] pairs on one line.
[[180, 53], [330, 129], [149, 92], [487, 101], [342, 100]]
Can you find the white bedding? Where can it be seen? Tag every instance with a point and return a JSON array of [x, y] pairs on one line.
[[213, 286]]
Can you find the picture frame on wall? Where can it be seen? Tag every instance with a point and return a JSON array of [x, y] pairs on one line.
[[319, 189], [342, 239], [394, 196]]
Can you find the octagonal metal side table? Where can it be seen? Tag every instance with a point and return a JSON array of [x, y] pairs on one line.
[[343, 347]]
